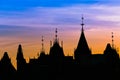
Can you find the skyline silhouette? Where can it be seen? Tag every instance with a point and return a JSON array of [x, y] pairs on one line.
[[56, 65], [62, 44], [51, 40], [25, 21]]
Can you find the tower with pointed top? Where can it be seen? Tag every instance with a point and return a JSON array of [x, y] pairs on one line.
[[42, 53], [20, 59], [82, 47], [7, 70], [42, 44], [56, 51], [111, 55]]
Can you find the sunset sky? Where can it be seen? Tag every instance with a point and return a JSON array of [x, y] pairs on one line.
[[25, 21]]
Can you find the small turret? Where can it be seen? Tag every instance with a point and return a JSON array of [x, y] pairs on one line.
[[111, 54], [7, 70], [20, 59], [56, 50]]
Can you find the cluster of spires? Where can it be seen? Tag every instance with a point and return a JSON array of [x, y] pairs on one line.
[[55, 41], [59, 65], [82, 37]]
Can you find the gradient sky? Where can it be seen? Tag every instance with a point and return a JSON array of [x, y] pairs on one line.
[[25, 21]]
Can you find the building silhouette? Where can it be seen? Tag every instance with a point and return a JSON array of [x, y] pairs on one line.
[[21, 64], [7, 71], [82, 52], [57, 66]]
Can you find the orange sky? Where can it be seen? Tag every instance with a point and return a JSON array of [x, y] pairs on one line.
[[25, 21], [97, 40]]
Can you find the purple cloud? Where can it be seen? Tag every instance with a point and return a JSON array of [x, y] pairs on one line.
[[70, 15]]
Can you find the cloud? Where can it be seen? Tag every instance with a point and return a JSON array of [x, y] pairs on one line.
[[96, 15], [29, 24], [22, 31]]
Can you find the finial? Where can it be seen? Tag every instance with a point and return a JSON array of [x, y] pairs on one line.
[[42, 43], [82, 24], [56, 36], [112, 40]]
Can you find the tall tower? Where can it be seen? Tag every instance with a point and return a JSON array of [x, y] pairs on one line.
[[20, 59], [82, 47]]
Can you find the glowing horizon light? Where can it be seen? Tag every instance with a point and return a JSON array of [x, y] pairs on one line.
[[24, 22]]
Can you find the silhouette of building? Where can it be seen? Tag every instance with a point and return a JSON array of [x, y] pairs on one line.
[[57, 66], [20, 59], [7, 71], [83, 51], [21, 64], [56, 51], [111, 55]]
